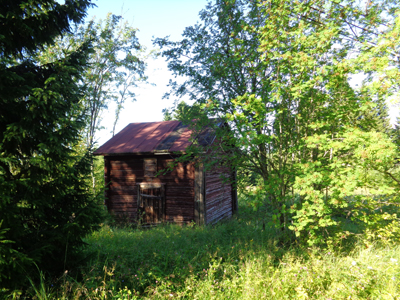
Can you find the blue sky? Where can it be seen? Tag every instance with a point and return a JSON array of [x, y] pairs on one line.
[[156, 18], [153, 18]]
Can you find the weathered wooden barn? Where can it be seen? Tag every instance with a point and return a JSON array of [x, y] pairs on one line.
[[144, 181]]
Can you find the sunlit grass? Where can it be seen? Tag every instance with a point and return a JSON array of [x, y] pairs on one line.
[[241, 258]]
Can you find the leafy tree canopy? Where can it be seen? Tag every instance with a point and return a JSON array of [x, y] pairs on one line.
[[278, 72]]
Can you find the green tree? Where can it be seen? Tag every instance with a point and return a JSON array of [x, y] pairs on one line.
[[361, 157], [46, 207], [396, 132], [278, 72], [273, 76], [377, 117], [115, 67], [167, 115], [182, 112]]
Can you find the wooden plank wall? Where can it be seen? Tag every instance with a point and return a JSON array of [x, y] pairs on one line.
[[126, 171], [218, 195]]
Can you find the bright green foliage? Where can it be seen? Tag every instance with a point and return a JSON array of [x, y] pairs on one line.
[[358, 161], [46, 207], [278, 72], [379, 56], [274, 77]]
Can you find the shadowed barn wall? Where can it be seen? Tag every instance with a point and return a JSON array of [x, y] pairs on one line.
[[126, 171]]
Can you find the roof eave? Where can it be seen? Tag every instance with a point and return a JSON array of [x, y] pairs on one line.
[[163, 152]]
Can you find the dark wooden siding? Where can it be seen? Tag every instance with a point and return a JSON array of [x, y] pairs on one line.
[[218, 195], [124, 172]]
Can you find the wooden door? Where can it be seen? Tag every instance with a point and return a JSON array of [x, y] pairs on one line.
[[151, 201]]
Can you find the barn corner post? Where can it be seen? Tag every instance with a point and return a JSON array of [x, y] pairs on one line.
[[107, 182], [199, 194], [235, 203]]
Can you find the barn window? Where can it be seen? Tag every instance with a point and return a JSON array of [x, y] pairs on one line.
[[150, 167]]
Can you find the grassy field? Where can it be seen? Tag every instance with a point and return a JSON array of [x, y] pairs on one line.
[[236, 259]]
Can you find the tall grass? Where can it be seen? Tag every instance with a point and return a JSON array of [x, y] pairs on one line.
[[241, 258]]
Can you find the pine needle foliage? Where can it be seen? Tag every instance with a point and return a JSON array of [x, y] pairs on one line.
[[46, 206]]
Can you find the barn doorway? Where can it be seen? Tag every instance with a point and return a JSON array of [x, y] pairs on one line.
[[151, 203]]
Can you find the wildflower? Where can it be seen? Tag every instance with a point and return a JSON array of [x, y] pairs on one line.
[[393, 260], [353, 263], [369, 267]]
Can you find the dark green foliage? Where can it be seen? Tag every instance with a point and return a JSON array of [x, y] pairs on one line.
[[27, 25], [167, 115], [46, 205], [376, 118], [396, 132]]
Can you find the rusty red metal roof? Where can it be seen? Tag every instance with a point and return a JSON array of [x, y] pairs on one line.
[[152, 137]]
